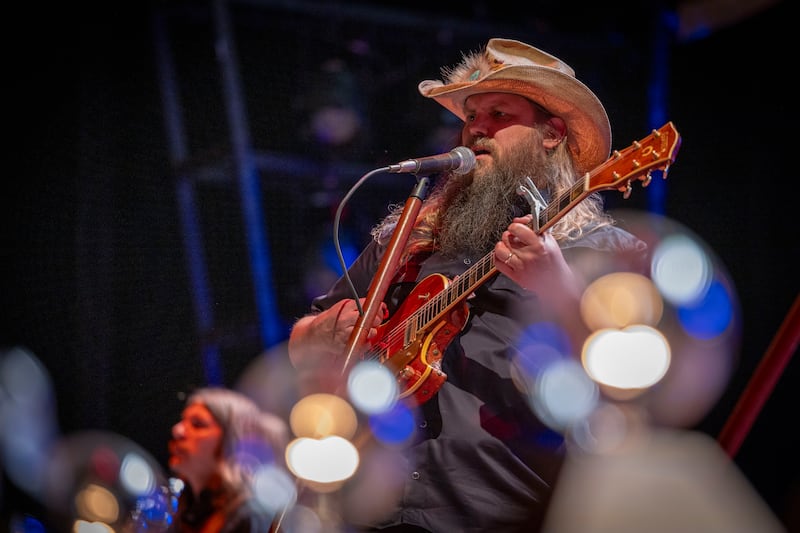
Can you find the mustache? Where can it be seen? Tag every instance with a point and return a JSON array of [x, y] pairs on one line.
[[483, 143]]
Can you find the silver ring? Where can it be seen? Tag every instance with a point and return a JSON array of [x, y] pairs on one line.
[[510, 255]]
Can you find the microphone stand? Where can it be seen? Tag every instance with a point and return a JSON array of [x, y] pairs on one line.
[[388, 266]]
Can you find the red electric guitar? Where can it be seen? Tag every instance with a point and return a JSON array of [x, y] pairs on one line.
[[412, 342]]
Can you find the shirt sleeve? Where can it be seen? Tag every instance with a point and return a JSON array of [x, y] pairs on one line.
[[361, 273], [606, 250]]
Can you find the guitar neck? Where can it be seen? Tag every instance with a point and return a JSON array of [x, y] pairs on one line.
[[463, 285], [656, 151], [563, 203]]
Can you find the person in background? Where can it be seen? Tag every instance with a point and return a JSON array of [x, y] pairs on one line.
[[221, 436], [481, 459]]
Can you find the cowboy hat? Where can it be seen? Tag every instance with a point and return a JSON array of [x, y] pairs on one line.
[[509, 66]]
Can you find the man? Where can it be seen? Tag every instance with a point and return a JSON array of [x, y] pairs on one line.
[[481, 459]]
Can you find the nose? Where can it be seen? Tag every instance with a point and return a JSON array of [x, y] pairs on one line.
[[177, 430], [476, 129], [479, 125]]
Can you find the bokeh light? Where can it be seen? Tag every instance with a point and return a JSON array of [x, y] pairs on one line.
[[83, 526], [636, 357], [640, 478], [681, 269], [322, 415], [274, 488], [303, 518], [393, 427], [540, 346], [328, 460], [372, 387], [335, 125], [28, 426], [621, 299], [99, 476], [155, 509], [97, 503], [605, 430], [136, 475], [701, 321], [564, 395], [710, 315], [664, 333], [662, 350]]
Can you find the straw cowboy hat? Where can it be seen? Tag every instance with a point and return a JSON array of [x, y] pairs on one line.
[[509, 66]]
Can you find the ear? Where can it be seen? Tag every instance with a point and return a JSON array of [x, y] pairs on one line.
[[556, 131]]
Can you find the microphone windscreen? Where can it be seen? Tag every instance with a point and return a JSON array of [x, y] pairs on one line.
[[466, 157]]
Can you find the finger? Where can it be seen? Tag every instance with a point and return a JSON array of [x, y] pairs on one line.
[[502, 249], [505, 257], [526, 220], [339, 312], [522, 234]]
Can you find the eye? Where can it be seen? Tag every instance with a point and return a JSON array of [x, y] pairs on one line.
[[199, 423]]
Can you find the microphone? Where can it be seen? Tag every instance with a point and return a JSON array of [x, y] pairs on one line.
[[460, 160]]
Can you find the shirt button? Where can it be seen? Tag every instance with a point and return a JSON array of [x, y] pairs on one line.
[[424, 424], [467, 261], [414, 475]]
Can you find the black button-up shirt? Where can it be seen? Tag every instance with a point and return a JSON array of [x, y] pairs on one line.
[[481, 459]]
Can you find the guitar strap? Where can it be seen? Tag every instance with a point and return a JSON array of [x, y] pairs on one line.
[[409, 270]]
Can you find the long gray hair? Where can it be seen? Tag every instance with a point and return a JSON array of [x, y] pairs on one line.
[[251, 437]]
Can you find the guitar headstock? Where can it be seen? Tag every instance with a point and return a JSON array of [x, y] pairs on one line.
[[657, 151]]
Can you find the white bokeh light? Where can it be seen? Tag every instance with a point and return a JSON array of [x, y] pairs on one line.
[[564, 394], [372, 387], [274, 488], [325, 460], [636, 357], [136, 475], [681, 269]]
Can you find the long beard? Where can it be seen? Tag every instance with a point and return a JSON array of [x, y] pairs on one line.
[[478, 207]]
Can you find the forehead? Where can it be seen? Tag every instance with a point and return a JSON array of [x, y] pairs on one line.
[[480, 100], [198, 410]]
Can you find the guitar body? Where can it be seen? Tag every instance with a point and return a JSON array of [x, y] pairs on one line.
[[415, 356]]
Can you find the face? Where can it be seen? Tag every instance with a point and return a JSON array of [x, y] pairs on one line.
[[196, 443], [494, 124], [507, 132]]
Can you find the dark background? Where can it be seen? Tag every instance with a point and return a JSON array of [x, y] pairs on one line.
[[95, 280]]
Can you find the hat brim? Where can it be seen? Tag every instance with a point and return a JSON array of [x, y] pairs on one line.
[[588, 127]]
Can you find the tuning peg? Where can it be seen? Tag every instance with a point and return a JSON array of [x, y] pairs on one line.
[[626, 191], [647, 178]]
